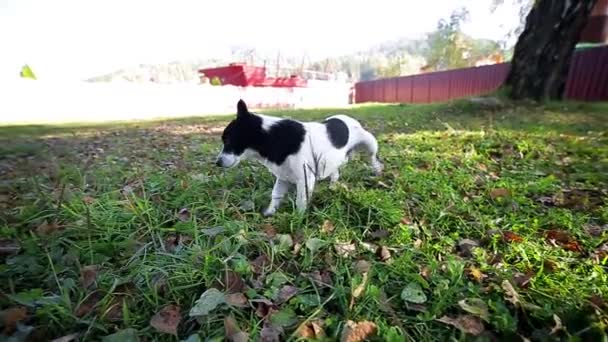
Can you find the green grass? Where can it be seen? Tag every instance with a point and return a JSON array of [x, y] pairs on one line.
[[505, 178]]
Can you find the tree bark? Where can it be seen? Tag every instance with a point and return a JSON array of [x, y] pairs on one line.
[[542, 55]]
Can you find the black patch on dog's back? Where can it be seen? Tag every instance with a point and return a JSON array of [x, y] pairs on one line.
[[337, 131], [283, 139]]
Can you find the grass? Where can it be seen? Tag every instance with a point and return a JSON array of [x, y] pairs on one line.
[[102, 227]]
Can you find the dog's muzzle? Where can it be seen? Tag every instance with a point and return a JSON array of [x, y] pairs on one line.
[[226, 160]]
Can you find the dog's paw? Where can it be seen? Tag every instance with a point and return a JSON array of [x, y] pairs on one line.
[[268, 212], [378, 168]]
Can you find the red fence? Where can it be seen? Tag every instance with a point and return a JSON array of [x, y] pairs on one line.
[[587, 81]]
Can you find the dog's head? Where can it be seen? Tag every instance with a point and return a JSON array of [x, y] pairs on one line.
[[240, 135]]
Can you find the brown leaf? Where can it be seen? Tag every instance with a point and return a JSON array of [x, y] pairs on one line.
[[88, 275], [597, 301], [595, 230], [269, 230], [184, 215], [259, 263], [406, 220], [311, 330], [358, 332], [358, 291], [465, 247], [88, 200], [509, 236], [563, 239], [327, 227], [510, 292], [345, 249], [361, 266], [264, 307], [499, 193], [417, 243], [167, 319], [523, 280], [425, 272], [233, 282], [10, 317], [9, 247], [549, 265], [174, 241], [46, 228], [468, 324], [236, 299], [379, 234], [383, 253], [88, 304], [600, 253], [322, 278], [233, 332], [476, 274], [270, 333], [286, 293], [114, 311]]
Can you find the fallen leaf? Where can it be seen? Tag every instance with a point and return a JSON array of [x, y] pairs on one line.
[[88, 304], [383, 253], [174, 242], [247, 205], [115, 309], [476, 274], [468, 324], [233, 282], [379, 234], [286, 293], [327, 227], [184, 215], [167, 319], [558, 325], [413, 293], [595, 230], [46, 228], [370, 247], [425, 272], [88, 275], [345, 249], [358, 291], [88, 200], [311, 330], [9, 247], [322, 278], [417, 243], [283, 318], [258, 264], [597, 301], [499, 193], [315, 244], [564, 239], [522, 280], [270, 333], [358, 332], [509, 236], [269, 230], [236, 299], [208, 301], [285, 242], [549, 265], [600, 253], [510, 292], [406, 220], [361, 266], [475, 306], [233, 332], [465, 247], [10, 318]]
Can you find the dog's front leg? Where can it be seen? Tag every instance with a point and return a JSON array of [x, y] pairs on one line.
[[278, 193], [304, 190]]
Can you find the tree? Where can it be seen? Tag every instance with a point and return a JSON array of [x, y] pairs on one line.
[[448, 46], [26, 72], [542, 54]]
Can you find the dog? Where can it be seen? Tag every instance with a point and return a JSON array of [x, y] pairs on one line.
[[300, 153]]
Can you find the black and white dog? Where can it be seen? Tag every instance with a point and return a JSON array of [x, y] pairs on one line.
[[299, 153]]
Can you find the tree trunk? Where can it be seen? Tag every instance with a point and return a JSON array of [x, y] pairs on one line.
[[542, 55]]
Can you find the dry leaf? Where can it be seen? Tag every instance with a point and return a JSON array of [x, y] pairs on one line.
[[286, 293], [327, 227], [88, 200], [361, 266], [417, 243], [270, 333], [465, 247], [358, 332], [511, 295], [269, 230], [233, 332], [522, 280], [345, 249], [10, 317], [46, 228], [184, 215], [509, 237], [475, 306], [311, 330], [236, 299], [259, 263], [468, 324], [499, 193], [9, 247], [233, 282], [425, 272], [476, 274], [358, 291], [383, 253], [564, 239], [406, 220], [88, 304], [167, 319], [88, 275], [558, 325]]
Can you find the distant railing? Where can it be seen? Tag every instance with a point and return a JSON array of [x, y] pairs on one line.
[[587, 81]]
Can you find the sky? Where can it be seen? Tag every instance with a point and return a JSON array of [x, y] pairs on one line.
[[77, 39]]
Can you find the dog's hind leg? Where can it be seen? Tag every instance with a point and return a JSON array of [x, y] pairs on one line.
[[370, 144], [304, 190], [278, 193]]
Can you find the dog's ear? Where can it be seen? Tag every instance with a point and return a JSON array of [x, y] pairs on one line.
[[241, 109]]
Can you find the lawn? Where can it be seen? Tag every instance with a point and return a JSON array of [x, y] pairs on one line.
[[488, 223]]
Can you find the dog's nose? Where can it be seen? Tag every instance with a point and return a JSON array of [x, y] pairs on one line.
[[218, 162]]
